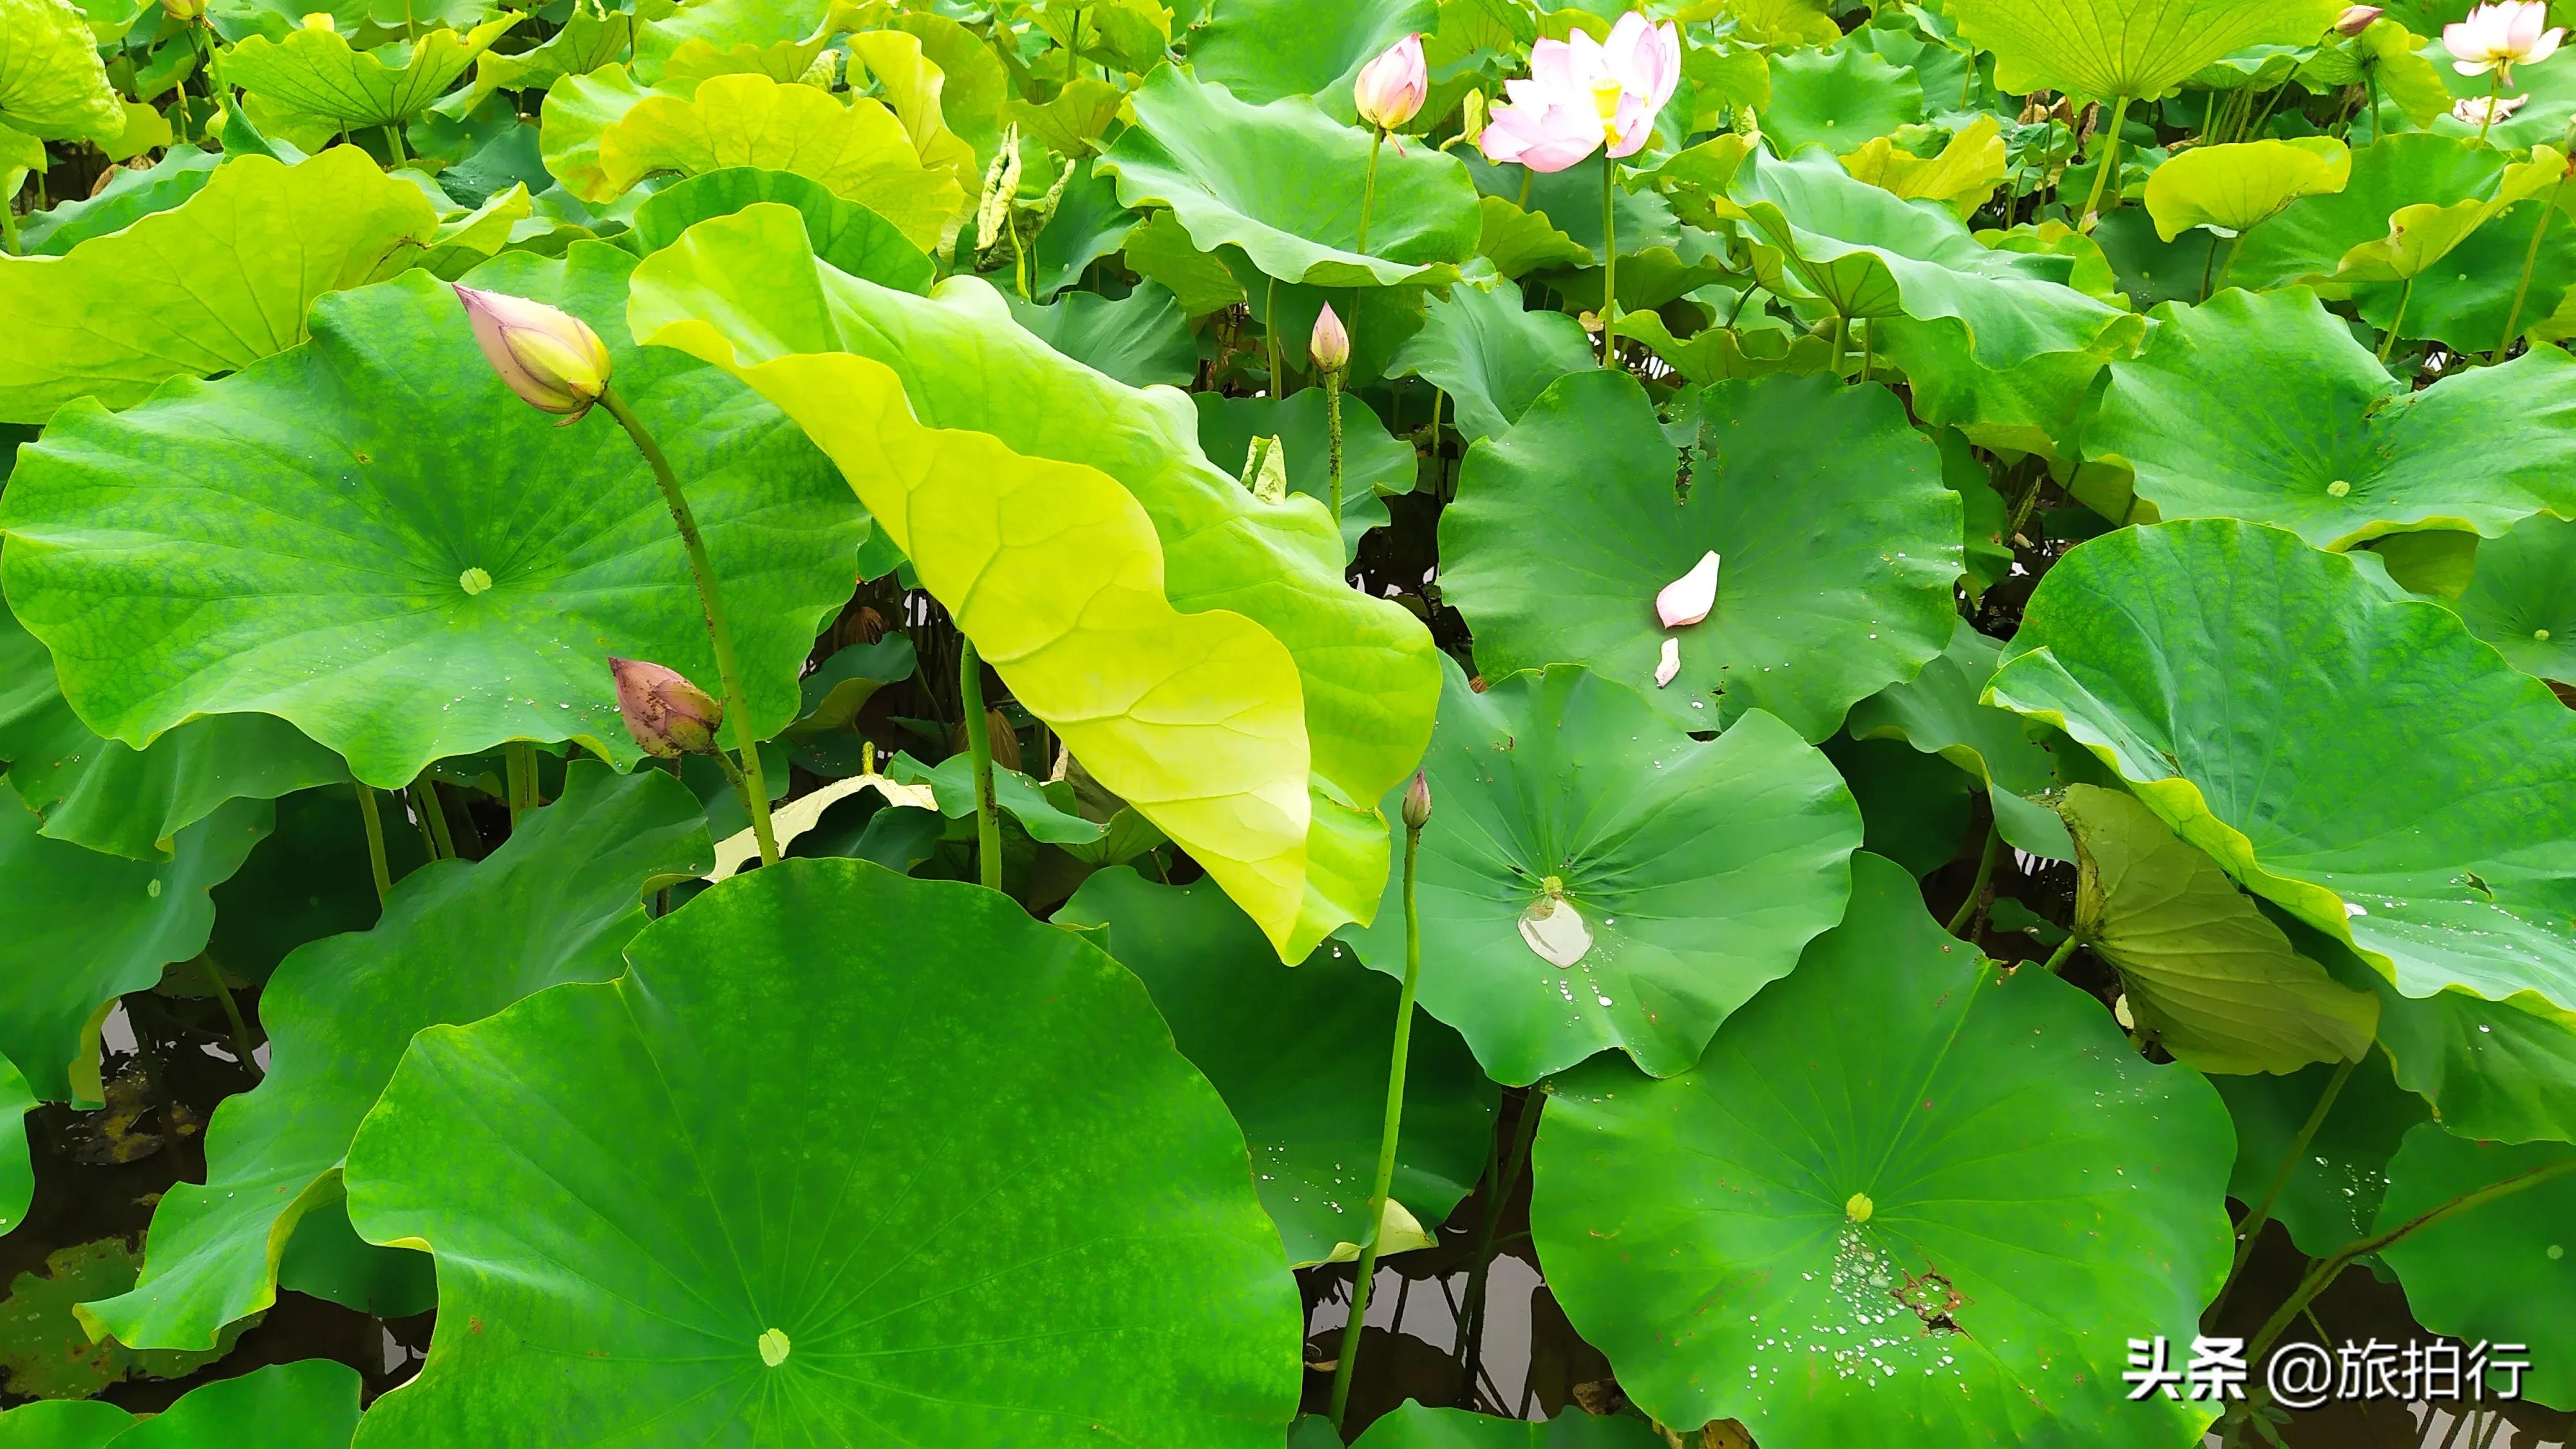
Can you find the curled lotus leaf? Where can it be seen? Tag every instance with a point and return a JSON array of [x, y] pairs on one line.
[[318, 73], [2236, 187]]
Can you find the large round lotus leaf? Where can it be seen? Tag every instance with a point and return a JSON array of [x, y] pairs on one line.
[[844, 233], [111, 797], [2335, 1184], [317, 73], [2138, 48], [309, 1404], [17, 1170], [1839, 99], [2235, 188], [63, 1424], [1938, 711], [2523, 598], [1914, 808], [1262, 50], [1817, 605], [1904, 1199], [1491, 355], [859, 151], [51, 81], [113, 319], [1243, 175], [1413, 1426], [2208, 977], [79, 929], [1300, 1056], [843, 1153], [1373, 462], [458, 941], [2353, 755], [1221, 677], [2261, 406], [1696, 871], [1140, 339], [371, 538], [2501, 1272], [1824, 235]]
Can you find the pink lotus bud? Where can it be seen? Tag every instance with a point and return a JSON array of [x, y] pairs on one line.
[[1687, 600], [1417, 802], [1331, 344], [668, 716], [549, 357], [2356, 18], [1390, 88], [1670, 664]]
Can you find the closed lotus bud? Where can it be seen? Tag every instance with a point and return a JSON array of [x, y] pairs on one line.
[[1331, 344], [549, 357], [1390, 88], [2356, 18], [1417, 802], [668, 716]]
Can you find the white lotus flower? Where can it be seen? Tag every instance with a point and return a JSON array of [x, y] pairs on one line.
[[1670, 664], [1687, 600], [1556, 930], [2501, 36]]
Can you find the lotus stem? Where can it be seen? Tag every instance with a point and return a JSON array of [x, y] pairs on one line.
[[1270, 335], [1471, 1343], [434, 811], [394, 145], [1868, 346], [711, 604], [1368, 190], [9, 225], [2057, 958], [2252, 1228], [979, 748], [233, 1013], [519, 779], [1985, 873], [1333, 444], [2531, 261], [1842, 343], [1385, 1179], [420, 819], [375, 842], [1609, 256], [2110, 163], [2388, 343], [2495, 92]]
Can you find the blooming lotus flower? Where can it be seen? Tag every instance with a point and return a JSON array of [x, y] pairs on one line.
[[1390, 88], [549, 357], [1687, 600], [2501, 36], [2486, 110], [2356, 18], [1670, 664], [1330, 343], [668, 716], [1583, 92]]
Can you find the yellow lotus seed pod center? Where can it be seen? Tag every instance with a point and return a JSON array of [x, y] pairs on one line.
[[773, 1348], [1859, 1208], [2539, 633], [474, 581], [2338, 488]]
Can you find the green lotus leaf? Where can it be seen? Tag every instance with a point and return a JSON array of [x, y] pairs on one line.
[[131, 195], [1914, 808], [51, 82], [326, 1258], [952, 784], [2208, 977], [842, 685], [1374, 464], [458, 941], [2499, 1272], [1133, 35], [2523, 600], [309, 1404], [2311, 236], [112, 320], [2433, 836], [63, 1424], [576, 113], [1696, 871], [1082, 1259], [1300, 1057], [2232, 189], [17, 1171], [718, 37], [310, 878], [1264, 50], [212, 551], [318, 73], [2336, 1181], [1242, 175], [1088, 224], [1839, 99], [1961, 176], [111, 797], [1825, 235], [844, 233], [587, 41], [1139, 339], [2261, 406], [78, 929], [1938, 712], [1378, 319], [49, 1354], [2137, 49], [1782, 24], [1817, 606], [1221, 677], [2549, 93], [975, 88], [1413, 1426], [1518, 242], [859, 151], [1721, 354], [1491, 355], [914, 86], [1905, 1198], [2499, 1071]]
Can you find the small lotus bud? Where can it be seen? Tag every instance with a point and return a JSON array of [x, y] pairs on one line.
[[1417, 802], [2356, 18], [549, 357], [1687, 600], [1390, 88], [668, 716], [1331, 344]]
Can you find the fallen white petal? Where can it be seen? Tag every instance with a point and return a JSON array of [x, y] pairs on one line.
[[1687, 600], [1670, 664], [1555, 930]]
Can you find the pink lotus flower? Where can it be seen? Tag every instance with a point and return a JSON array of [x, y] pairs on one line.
[[2501, 36], [1582, 92], [1390, 88], [549, 357]]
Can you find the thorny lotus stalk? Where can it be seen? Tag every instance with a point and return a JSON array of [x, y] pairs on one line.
[[2251, 1229], [1368, 189], [979, 748], [1417, 813], [1609, 258], [2110, 163], [1330, 348], [2531, 258]]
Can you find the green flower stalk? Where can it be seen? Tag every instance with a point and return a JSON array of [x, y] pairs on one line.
[[1330, 347]]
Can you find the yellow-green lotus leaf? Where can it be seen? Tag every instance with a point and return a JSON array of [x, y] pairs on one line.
[[2233, 189], [318, 73], [1194, 646], [2135, 48], [1961, 178], [51, 82]]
